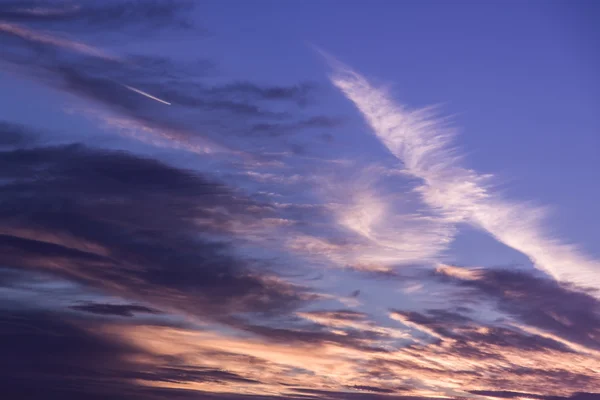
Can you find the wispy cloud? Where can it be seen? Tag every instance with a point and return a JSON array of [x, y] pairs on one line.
[[54, 40], [536, 301], [422, 143], [146, 16], [121, 310], [132, 190], [51, 45], [392, 233], [182, 310], [199, 264]]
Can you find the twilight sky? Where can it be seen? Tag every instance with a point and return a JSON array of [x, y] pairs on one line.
[[252, 200]]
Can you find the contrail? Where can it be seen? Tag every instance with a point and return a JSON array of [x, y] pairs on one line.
[[146, 94], [462, 195]]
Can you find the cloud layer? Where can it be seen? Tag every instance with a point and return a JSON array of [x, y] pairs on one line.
[[227, 246]]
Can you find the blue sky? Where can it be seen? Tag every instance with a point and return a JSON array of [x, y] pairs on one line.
[[362, 200]]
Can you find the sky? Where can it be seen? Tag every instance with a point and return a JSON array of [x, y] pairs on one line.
[[265, 200]]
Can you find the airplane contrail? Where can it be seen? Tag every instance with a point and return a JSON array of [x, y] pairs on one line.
[[146, 94]]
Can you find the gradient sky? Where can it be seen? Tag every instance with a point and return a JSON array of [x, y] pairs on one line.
[[299, 200]]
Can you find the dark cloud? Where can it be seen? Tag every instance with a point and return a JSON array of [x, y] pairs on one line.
[[372, 389], [14, 135], [278, 129], [102, 89], [51, 356], [343, 315], [567, 311], [107, 14], [314, 334], [470, 337], [13, 277], [129, 226], [504, 394], [225, 113], [153, 234], [150, 66], [121, 310], [45, 356], [55, 356], [187, 375], [357, 395], [105, 81], [132, 226], [556, 377], [499, 349], [300, 93]]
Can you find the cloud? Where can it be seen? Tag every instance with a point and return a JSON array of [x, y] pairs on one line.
[[92, 216], [326, 353], [54, 41], [337, 315], [299, 94], [338, 395], [536, 301], [445, 325], [468, 354], [375, 229], [14, 135], [354, 324], [113, 14], [372, 389], [152, 281], [319, 331], [137, 87], [69, 359], [76, 358], [121, 310], [512, 395], [460, 194], [493, 357], [277, 129], [278, 362]]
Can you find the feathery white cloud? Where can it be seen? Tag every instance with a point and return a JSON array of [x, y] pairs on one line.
[[421, 142]]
